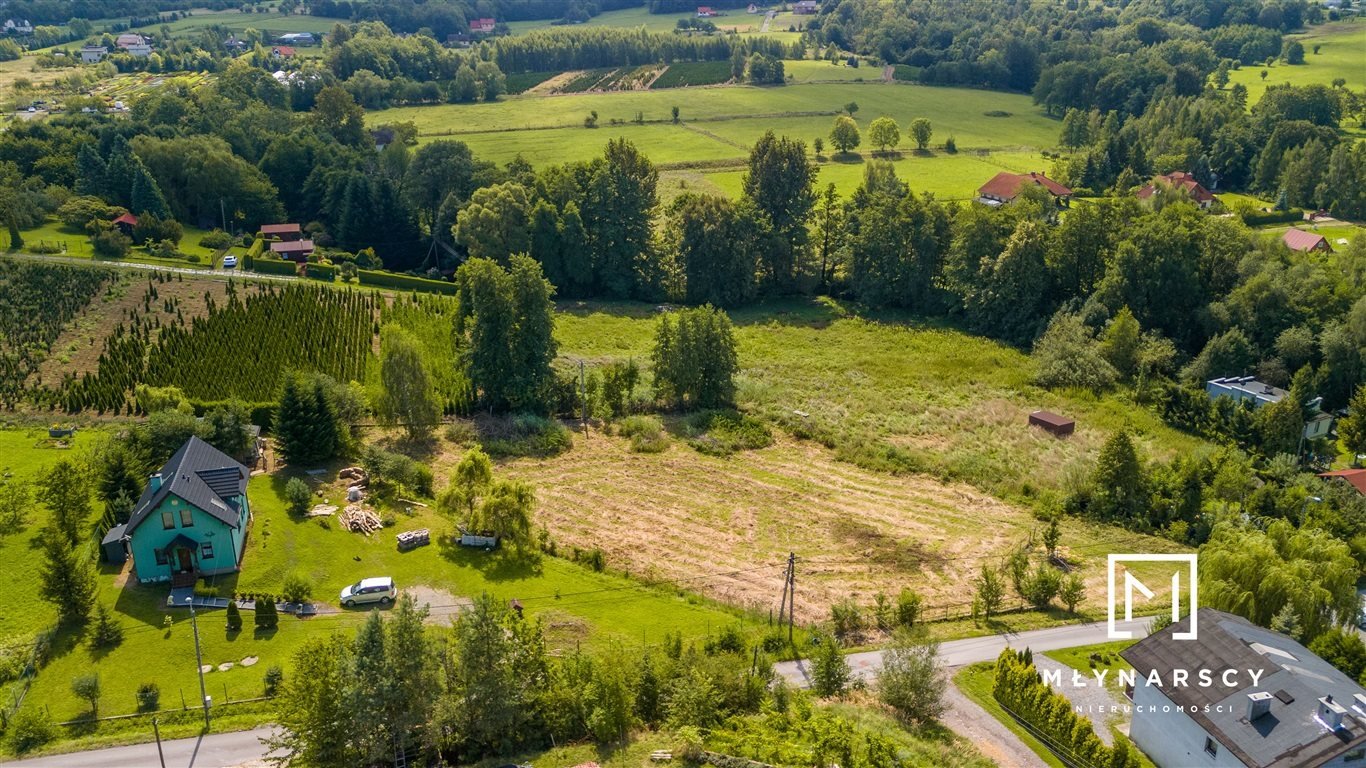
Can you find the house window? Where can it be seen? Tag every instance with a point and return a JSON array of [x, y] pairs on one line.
[[167, 520], [186, 518], [161, 556], [206, 551], [1211, 748]]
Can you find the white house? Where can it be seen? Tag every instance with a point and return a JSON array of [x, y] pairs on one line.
[[1271, 703], [18, 27], [141, 50], [93, 54], [1248, 389]]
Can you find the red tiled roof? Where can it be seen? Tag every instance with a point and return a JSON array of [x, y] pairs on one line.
[[284, 50], [1299, 240], [128, 219], [1005, 186], [279, 229], [292, 246], [1357, 477], [1180, 180]]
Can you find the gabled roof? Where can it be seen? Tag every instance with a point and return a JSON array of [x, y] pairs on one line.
[[1179, 180], [279, 229], [128, 219], [1357, 477], [1290, 734], [282, 50], [292, 246], [1005, 185], [203, 476], [1299, 240]]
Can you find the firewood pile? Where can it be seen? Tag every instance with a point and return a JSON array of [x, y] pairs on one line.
[[358, 519]]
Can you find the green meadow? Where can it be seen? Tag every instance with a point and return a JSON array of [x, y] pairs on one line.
[[640, 17], [274, 23], [1342, 53], [993, 131]]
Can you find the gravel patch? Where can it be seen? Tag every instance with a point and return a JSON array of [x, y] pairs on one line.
[[991, 738], [442, 606]]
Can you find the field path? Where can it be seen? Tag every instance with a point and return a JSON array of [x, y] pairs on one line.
[[710, 135], [888, 73], [994, 740], [768, 17]]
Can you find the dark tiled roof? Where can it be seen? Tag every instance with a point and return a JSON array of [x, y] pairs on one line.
[[201, 475], [1290, 735]]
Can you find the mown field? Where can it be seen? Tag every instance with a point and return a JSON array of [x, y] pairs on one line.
[[237, 21], [634, 18], [993, 131], [1342, 54]]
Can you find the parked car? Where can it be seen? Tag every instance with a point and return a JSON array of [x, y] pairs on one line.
[[379, 589], [229, 262]]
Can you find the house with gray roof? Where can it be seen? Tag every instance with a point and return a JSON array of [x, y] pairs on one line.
[[1270, 702], [191, 520]]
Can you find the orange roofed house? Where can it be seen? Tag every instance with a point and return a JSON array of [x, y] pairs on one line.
[[1004, 187], [1299, 240], [1182, 181]]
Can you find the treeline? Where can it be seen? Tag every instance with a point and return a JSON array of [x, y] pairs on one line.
[[558, 50], [60, 11], [449, 17]]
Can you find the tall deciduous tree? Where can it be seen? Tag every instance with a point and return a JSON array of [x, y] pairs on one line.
[[715, 245], [921, 132], [780, 183], [496, 223], [883, 133], [617, 215], [844, 134], [406, 396], [507, 321], [695, 359]]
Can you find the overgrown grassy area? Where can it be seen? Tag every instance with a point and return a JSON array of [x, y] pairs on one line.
[[976, 682], [1101, 657], [890, 392]]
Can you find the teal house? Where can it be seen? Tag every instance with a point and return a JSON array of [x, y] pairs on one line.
[[192, 519]]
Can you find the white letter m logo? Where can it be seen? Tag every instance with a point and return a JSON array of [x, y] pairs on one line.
[[1132, 585]]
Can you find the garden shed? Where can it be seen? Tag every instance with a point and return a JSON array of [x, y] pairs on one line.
[[1052, 422]]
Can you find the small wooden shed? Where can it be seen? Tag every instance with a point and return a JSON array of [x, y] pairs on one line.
[[1058, 425]]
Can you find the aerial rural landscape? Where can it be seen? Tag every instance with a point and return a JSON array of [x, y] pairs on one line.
[[549, 383]]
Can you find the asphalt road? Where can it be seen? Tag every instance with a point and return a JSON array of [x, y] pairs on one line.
[[957, 653], [217, 750]]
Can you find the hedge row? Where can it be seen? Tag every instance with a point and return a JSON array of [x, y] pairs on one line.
[[1257, 218], [275, 267], [405, 282], [327, 273]]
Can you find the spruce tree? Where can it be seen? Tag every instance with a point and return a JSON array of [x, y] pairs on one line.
[[66, 579], [145, 196]]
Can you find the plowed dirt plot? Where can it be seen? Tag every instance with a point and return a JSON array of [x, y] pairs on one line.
[[723, 527]]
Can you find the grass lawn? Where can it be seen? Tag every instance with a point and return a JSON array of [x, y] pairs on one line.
[[628, 18], [1340, 55], [577, 605], [949, 177], [1079, 658], [976, 682], [807, 71], [273, 23]]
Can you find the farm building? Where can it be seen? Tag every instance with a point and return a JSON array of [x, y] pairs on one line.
[[192, 518], [1182, 181], [282, 231], [125, 223], [1272, 702], [1052, 422], [805, 7], [1299, 240], [298, 250], [93, 54], [297, 38], [482, 26], [705, 12], [1004, 187]]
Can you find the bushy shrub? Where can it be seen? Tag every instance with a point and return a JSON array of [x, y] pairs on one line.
[[297, 589], [646, 433], [266, 615], [149, 697], [234, 617], [391, 472], [275, 677], [30, 729], [297, 495], [216, 240], [722, 433], [529, 435], [847, 619]]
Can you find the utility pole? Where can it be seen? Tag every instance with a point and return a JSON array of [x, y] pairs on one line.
[[583, 398], [787, 601], [223, 213], [157, 732], [199, 659]]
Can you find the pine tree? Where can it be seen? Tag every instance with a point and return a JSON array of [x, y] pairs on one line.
[[234, 617], [66, 578], [145, 196]]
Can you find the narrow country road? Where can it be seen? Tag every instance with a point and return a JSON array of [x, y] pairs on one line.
[[222, 274], [239, 749], [958, 653]]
